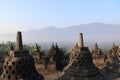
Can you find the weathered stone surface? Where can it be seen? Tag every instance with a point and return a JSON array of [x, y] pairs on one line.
[[98, 56], [19, 44], [81, 66], [113, 61], [97, 52], [36, 54], [19, 64], [56, 56]]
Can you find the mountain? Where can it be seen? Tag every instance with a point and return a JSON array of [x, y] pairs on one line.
[[93, 32]]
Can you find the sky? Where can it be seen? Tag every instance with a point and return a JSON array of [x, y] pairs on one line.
[[25, 15]]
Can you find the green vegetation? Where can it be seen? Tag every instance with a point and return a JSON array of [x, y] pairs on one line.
[[5, 47]]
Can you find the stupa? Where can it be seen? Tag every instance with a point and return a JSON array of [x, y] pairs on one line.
[[98, 56], [36, 54], [19, 64], [113, 61], [56, 57], [97, 52], [81, 66], [51, 53]]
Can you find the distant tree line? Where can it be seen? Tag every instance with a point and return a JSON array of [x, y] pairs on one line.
[[5, 47]]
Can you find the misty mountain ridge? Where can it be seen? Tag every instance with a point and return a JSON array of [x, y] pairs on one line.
[[94, 32]]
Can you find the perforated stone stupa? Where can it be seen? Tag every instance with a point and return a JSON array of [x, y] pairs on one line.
[[51, 53], [98, 56], [113, 61], [56, 56], [97, 52], [19, 64], [81, 66], [36, 54], [113, 51]]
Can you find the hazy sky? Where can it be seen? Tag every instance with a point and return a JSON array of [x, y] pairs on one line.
[[36, 14]]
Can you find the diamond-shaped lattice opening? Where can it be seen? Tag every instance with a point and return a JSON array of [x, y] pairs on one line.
[[9, 76], [79, 55], [71, 61], [4, 66], [73, 57], [7, 62], [77, 58], [3, 75], [13, 63], [13, 72], [9, 67], [6, 71], [79, 61]]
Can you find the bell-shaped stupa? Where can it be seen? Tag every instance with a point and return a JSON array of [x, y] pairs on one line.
[[81, 65], [113, 61], [19, 64]]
